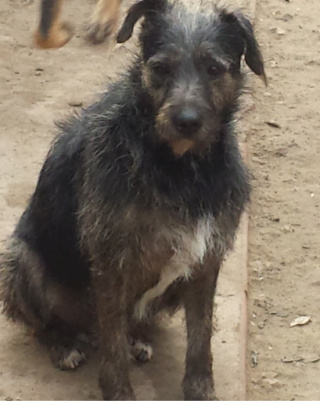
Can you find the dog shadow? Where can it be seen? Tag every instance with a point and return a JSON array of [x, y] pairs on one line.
[[27, 374], [160, 379]]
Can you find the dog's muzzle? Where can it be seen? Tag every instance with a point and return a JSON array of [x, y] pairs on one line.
[[187, 121]]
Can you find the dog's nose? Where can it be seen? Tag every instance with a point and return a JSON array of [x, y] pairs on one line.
[[188, 121]]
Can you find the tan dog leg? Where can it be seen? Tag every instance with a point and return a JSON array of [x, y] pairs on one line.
[[51, 33], [103, 20]]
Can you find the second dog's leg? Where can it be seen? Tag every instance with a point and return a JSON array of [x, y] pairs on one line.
[[51, 32], [111, 305], [198, 301], [103, 21]]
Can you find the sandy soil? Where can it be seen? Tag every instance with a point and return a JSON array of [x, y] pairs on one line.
[[285, 219]]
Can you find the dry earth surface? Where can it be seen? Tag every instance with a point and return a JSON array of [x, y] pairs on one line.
[[39, 87], [284, 228]]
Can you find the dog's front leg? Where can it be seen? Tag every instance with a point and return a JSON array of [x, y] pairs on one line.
[[110, 289], [198, 301]]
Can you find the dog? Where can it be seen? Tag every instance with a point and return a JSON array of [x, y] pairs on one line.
[[139, 200], [52, 33]]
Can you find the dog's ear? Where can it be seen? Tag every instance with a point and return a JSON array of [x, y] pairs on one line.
[[144, 8], [252, 54]]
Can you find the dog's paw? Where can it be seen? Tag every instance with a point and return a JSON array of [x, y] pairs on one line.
[[57, 37], [199, 389], [69, 360], [141, 351], [97, 32]]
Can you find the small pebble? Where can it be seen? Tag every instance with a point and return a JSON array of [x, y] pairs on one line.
[[75, 103], [273, 124], [280, 31]]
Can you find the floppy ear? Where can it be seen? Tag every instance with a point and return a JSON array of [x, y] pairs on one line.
[[252, 54], [141, 9]]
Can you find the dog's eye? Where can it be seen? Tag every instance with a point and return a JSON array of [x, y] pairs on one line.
[[161, 69], [215, 70]]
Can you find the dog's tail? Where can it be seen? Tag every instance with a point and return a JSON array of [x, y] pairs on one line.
[[51, 33]]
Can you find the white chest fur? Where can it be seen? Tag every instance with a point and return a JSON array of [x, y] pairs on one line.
[[190, 247]]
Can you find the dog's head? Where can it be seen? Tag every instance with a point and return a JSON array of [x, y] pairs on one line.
[[191, 68]]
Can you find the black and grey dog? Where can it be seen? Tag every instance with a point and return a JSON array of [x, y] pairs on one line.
[[139, 199]]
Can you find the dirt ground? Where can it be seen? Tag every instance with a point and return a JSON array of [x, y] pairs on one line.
[[284, 219], [39, 87]]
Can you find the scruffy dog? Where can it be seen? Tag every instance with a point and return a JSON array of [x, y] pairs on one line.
[[139, 199], [52, 33]]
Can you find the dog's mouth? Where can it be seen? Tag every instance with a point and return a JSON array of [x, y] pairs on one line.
[[186, 130], [181, 146]]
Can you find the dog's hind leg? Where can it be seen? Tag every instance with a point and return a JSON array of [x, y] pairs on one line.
[[51, 311], [51, 33], [22, 289], [103, 20], [140, 347], [67, 350]]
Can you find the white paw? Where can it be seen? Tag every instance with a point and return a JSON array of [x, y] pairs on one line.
[[141, 351], [72, 360], [140, 309]]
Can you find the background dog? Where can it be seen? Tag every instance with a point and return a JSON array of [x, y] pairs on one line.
[[52, 33], [139, 200]]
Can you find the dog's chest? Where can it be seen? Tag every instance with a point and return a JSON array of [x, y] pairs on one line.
[[171, 250]]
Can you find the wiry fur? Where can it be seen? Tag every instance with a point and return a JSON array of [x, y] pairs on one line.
[[134, 210]]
